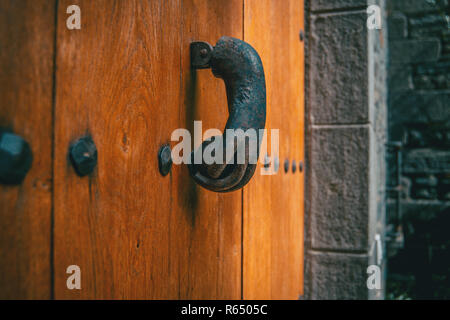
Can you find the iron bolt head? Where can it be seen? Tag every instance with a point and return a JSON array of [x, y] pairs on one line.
[[83, 155], [294, 166], [15, 158], [165, 160], [286, 165]]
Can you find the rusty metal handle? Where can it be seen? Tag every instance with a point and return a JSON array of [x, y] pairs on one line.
[[240, 67]]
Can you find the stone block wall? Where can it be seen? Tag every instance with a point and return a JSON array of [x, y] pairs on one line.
[[419, 100], [419, 118], [346, 135]]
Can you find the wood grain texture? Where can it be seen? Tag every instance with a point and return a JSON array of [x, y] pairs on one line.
[[125, 79], [26, 78], [214, 236], [273, 205]]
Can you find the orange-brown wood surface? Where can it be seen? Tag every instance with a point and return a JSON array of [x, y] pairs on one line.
[[125, 79], [273, 205], [213, 230], [26, 77]]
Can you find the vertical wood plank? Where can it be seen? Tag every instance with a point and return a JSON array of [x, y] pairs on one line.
[[273, 205], [212, 226], [26, 79], [118, 79], [125, 79]]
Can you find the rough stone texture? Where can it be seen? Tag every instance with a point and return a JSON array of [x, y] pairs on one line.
[[432, 76], [421, 210], [398, 26], [400, 77], [347, 121], [338, 276], [377, 82], [415, 51], [408, 107], [428, 25], [419, 117], [338, 68], [426, 162], [340, 188], [336, 4], [414, 6]]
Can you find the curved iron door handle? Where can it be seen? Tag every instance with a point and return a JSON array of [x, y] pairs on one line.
[[240, 67]]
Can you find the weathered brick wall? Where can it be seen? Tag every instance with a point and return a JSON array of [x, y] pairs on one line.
[[419, 117], [346, 135]]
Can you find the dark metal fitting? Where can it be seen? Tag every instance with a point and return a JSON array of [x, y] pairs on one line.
[[83, 155], [15, 158], [164, 160]]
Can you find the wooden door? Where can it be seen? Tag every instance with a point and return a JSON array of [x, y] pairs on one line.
[[273, 204], [125, 80], [26, 82]]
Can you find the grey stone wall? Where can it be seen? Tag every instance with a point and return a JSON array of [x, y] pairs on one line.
[[419, 82], [346, 135], [419, 118]]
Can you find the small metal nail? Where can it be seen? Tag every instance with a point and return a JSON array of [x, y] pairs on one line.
[[302, 35], [294, 166], [300, 166], [286, 166], [83, 155], [165, 160]]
